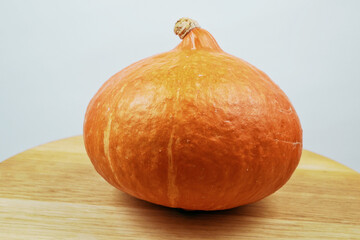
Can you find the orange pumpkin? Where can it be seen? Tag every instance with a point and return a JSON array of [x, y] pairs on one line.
[[193, 128]]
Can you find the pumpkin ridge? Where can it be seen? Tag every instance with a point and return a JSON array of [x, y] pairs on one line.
[[172, 189]]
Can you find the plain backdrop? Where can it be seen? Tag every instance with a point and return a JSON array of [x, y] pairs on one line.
[[54, 55]]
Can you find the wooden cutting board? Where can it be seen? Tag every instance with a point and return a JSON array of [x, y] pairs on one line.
[[53, 192]]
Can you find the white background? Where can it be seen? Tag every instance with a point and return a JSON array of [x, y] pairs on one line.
[[54, 55]]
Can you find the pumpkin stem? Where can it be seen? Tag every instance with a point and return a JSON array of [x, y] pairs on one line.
[[184, 25]]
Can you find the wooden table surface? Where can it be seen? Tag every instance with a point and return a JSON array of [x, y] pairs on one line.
[[53, 192]]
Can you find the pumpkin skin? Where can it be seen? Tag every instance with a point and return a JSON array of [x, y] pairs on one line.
[[193, 128]]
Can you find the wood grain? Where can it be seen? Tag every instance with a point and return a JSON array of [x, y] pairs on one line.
[[53, 192]]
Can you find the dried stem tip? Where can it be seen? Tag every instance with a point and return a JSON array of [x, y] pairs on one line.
[[184, 25]]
